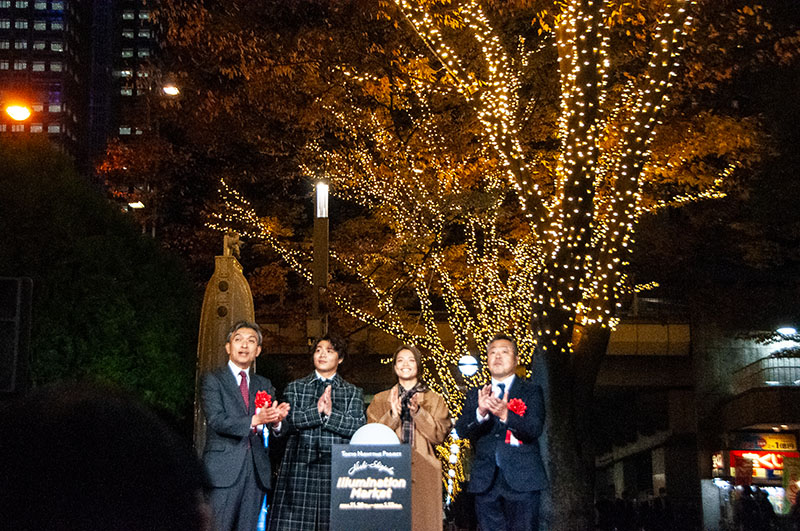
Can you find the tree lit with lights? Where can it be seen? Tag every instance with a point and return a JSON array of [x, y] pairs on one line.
[[501, 179]]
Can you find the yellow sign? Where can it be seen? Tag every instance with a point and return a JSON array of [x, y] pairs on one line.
[[779, 441]]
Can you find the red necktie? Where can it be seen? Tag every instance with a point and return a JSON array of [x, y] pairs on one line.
[[244, 390]]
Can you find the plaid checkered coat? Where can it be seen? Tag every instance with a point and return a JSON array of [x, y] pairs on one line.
[[302, 496]]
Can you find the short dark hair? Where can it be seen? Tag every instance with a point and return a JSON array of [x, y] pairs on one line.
[[338, 344], [498, 337], [244, 324]]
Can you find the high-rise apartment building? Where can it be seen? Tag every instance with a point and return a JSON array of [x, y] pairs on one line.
[[85, 69], [44, 62]]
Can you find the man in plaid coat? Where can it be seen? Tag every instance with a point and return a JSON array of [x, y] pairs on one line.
[[325, 410]]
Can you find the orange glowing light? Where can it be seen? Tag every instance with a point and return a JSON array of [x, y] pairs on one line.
[[18, 112]]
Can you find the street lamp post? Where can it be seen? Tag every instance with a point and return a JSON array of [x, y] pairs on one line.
[[318, 324]]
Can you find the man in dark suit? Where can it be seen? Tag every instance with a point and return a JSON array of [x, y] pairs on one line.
[[236, 461], [504, 420]]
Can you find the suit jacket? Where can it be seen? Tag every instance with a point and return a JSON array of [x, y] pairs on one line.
[[229, 435], [303, 491], [522, 465]]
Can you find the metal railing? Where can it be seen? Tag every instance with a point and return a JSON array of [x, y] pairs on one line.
[[767, 372]]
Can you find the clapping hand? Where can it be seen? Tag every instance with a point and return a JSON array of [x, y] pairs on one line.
[[484, 394], [394, 402], [325, 404], [413, 404], [498, 407], [271, 415]]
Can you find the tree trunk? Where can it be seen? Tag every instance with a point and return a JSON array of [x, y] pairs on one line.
[[568, 382]]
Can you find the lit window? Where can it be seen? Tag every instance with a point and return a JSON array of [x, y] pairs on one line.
[[21, 4], [125, 91], [127, 52], [144, 14], [37, 66], [40, 5], [21, 24], [20, 45], [57, 6], [54, 128], [125, 73], [20, 65], [37, 107], [144, 33], [128, 34], [2, 128], [56, 66], [54, 107], [36, 128], [3, 64], [5, 23], [124, 130], [39, 45], [4, 45], [57, 25], [128, 15], [17, 128], [144, 52], [5, 3], [39, 25], [57, 46], [143, 73]]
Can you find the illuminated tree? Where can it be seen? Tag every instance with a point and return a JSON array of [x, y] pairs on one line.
[[499, 190]]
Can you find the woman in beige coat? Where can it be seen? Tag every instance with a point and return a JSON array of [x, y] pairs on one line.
[[420, 418]]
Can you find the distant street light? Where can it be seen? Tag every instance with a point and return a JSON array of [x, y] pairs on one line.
[[136, 205], [18, 112], [170, 90], [786, 331]]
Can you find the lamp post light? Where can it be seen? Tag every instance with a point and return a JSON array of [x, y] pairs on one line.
[[317, 326], [17, 112], [170, 90], [468, 365]]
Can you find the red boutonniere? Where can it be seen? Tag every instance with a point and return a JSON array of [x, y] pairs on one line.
[[517, 406], [263, 399]]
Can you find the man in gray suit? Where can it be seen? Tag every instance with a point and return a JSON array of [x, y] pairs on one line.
[[236, 461]]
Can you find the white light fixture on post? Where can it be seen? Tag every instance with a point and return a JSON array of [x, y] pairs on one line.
[[468, 365], [317, 325], [321, 204]]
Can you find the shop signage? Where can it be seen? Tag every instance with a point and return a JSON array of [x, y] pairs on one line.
[[370, 487], [781, 442], [767, 465]]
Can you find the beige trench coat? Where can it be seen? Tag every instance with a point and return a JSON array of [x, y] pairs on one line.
[[431, 426]]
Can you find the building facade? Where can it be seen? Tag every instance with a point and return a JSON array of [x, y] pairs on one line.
[[44, 63], [83, 68]]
